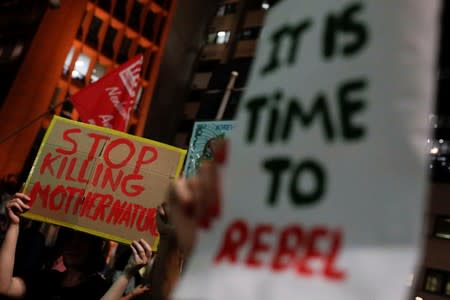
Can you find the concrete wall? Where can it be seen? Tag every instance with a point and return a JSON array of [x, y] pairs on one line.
[[186, 38]]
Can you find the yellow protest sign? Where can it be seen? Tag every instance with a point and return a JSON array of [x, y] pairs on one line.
[[101, 181]]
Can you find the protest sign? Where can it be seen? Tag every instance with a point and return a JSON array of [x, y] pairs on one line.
[[324, 187], [203, 134], [100, 181]]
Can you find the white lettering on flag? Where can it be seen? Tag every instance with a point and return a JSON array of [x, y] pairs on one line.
[[130, 76]]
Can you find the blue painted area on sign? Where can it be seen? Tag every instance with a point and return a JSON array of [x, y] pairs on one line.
[[203, 134]]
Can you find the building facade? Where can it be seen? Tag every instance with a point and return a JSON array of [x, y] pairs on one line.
[[75, 45], [432, 279], [230, 46]]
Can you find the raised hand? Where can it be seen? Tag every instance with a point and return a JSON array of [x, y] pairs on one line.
[[142, 253], [139, 290], [16, 206], [195, 201]]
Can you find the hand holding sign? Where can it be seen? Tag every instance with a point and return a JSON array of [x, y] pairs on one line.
[[16, 206], [142, 253], [196, 201]]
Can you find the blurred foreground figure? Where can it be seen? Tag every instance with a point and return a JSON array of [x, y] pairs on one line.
[[166, 267], [195, 201]]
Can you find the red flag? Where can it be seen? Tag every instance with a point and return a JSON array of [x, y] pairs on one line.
[[109, 101]]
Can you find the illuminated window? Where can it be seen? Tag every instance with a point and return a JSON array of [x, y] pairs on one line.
[[211, 38], [265, 5], [434, 281], [97, 72], [226, 9], [222, 37], [221, 10], [442, 227], [447, 288], [81, 67], [251, 33]]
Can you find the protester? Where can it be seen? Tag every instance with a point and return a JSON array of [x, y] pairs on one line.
[[166, 267], [30, 249], [83, 256], [121, 261], [8, 185], [142, 253], [195, 201], [139, 290]]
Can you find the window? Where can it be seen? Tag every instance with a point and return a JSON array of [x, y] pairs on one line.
[[434, 281], [141, 49], [120, 10], [108, 44], [447, 288], [135, 16], [160, 29], [226, 9], [251, 33], [211, 38], [221, 37], [92, 36], [124, 47], [97, 72], [442, 227], [81, 67], [67, 109], [149, 25], [105, 4]]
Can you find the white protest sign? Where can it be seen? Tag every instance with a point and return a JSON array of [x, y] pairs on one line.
[[324, 189]]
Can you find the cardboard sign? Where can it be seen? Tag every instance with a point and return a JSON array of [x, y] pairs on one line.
[[100, 181], [199, 146], [324, 188]]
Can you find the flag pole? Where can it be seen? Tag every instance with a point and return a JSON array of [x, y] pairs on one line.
[[226, 96]]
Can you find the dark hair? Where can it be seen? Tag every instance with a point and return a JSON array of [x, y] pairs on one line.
[[99, 248]]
